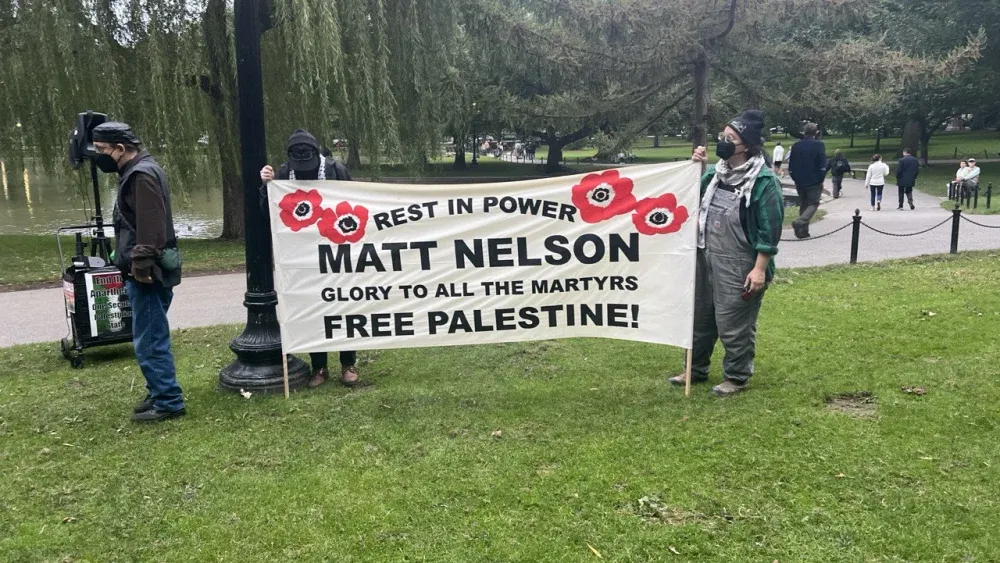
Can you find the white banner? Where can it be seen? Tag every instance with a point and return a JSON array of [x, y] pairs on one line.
[[363, 265]]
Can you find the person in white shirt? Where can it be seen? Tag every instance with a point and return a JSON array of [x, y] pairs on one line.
[[956, 184], [778, 157], [875, 181]]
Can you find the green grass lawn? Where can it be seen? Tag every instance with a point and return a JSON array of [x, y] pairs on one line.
[[31, 259], [551, 451]]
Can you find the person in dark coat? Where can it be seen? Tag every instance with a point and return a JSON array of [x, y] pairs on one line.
[[307, 162], [838, 168], [807, 166], [907, 170], [147, 256]]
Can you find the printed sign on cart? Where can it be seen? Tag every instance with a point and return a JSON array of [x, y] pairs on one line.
[[371, 265], [110, 310]]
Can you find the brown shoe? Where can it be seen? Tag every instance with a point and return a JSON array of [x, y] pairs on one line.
[[349, 377], [679, 380], [728, 387], [319, 378]]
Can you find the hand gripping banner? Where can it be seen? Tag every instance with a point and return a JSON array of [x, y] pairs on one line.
[[608, 254]]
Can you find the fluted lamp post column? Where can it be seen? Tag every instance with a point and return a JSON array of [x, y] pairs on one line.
[[258, 365]]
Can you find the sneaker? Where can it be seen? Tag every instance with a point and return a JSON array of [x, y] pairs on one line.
[[912, 207], [873, 208], [878, 206], [728, 387], [900, 208], [156, 415], [144, 406], [319, 377], [679, 380]]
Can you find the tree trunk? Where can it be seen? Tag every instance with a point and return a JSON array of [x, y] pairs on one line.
[[911, 135], [656, 141], [878, 139], [925, 141], [699, 116], [460, 153], [852, 135], [555, 156], [220, 86], [353, 155]]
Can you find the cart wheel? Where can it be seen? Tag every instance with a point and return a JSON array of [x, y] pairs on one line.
[[66, 346], [76, 362]]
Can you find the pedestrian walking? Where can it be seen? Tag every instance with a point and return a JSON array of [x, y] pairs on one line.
[[146, 254], [838, 168], [306, 163], [778, 157], [875, 180], [739, 227], [907, 170], [807, 165]]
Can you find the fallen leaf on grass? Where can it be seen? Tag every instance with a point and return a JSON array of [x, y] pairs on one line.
[[840, 475], [68, 520], [597, 553], [928, 313], [246, 394], [919, 391], [684, 419], [674, 550], [497, 434]]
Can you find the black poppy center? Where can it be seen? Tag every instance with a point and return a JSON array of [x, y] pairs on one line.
[[303, 209], [601, 195], [347, 225], [659, 218]]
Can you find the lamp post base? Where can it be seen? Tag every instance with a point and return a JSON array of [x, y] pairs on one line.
[[263, 377]]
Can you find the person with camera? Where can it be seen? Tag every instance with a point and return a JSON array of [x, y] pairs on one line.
[[305, 162], [739, 226], [146, 253]]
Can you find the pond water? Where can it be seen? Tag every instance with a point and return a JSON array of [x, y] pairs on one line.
[[35, 202]]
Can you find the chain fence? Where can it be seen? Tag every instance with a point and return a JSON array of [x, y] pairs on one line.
[[886, 233]]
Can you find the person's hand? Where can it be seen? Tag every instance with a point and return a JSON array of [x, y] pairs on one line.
[[143, 275], [700, 155], [266, 174], [755, 280]]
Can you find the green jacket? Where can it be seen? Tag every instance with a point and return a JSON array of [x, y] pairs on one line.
[[763, 220]]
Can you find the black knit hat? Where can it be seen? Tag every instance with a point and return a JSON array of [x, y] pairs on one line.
[[750, 127], [115, 132], [303, 137]]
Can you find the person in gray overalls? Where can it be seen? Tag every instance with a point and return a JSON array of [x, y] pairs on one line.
[[739, 227]]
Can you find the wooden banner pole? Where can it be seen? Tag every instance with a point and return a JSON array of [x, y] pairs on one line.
[[284, 372]]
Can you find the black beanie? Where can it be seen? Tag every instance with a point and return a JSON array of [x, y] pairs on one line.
[[750, 126], [303, 137]]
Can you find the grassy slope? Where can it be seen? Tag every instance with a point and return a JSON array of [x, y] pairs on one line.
[[408, 470]]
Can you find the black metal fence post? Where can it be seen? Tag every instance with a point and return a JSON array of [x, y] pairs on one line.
[[989, 194], [855, 235], [975, 202], [956, 219]]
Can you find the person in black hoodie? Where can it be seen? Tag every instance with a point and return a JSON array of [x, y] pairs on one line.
[[306, 162], [147, 256], [907, 170], [838, 168], [807, 166]]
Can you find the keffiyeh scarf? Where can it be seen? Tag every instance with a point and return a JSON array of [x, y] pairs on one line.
[[742, 178]]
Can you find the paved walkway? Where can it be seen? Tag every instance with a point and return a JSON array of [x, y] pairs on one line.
[[37, 315]]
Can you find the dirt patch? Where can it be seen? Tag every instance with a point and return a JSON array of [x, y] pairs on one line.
[[859, 404]]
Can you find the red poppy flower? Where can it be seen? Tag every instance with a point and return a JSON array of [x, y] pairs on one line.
[[659, 216], [301, 209], [345, 224], [603, 196]]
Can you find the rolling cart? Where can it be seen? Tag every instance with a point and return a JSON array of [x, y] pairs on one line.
[[98, 311]]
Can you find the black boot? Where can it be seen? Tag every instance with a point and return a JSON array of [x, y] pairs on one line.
[[156, 415], [144, 406]]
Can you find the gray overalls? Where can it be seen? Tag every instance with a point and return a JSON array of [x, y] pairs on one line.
[[720, 311]]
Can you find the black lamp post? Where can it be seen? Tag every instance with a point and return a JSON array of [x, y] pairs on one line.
[[257, 366]]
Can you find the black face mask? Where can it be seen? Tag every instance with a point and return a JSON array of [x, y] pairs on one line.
[[725, 149], [106, 163]]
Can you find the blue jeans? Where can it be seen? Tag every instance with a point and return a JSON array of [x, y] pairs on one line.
[[151, 339], [876, 192]]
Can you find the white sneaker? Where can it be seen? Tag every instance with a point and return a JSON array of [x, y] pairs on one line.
[[873, 208]]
